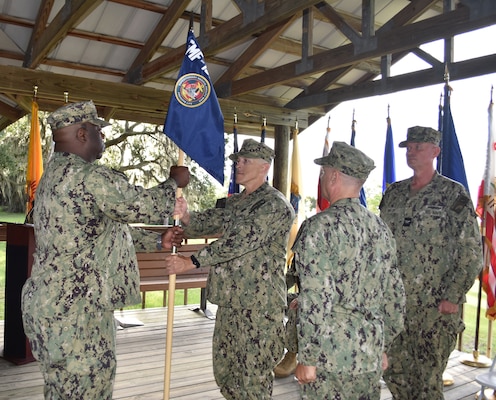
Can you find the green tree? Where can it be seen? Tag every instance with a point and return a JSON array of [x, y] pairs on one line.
[[141, 151], [13, 160], [310, 205], [374, 197]]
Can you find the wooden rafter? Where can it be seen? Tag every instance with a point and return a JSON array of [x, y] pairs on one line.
[[254, 50], [71, 13], [162, 29], [402, 38], [228, 35]]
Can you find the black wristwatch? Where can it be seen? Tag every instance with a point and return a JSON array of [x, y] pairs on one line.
[[195, 261]]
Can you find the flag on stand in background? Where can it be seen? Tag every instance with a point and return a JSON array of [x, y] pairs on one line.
[[35, 157], [194, 120], [295, 173], [233, 186], [486, 211], [323, 203], [262, 137], [263, 133], [363, 199], [450, 160], [295, 191], [389, 167]]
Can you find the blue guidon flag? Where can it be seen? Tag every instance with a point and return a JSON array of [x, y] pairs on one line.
[[194, 120]]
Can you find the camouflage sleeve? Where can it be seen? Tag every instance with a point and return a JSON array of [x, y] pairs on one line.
[[127, 203], [144, 241], [314, 302], [250, 232], [209, 222], [394, 305], [467, 261]]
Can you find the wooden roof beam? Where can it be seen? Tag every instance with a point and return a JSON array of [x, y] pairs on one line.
[[392, 41], [69, 16], [408, 14], [227, 35], [460, 70], [39, 27], [10, 113], [135, 103], [162, 29], [338, 21], [262, 43]]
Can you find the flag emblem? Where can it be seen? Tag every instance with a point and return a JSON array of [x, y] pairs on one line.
[[192, 90]]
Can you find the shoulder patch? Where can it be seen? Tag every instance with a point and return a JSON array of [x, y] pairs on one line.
[[460, 202]]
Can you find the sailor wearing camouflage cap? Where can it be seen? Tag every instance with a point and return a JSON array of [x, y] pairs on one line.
[[345, 259], [85, 266], [437, 236], [253, 149], [420, 134], [75, 113], [246, 278], [347, 159]]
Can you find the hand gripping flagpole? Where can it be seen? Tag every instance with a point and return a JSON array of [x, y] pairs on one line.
[[170, 304]]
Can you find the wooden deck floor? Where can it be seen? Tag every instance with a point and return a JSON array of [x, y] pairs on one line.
[[140, 363]]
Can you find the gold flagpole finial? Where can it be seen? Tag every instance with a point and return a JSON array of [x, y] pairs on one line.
[[35, 92], [264, 121], [66, 96]]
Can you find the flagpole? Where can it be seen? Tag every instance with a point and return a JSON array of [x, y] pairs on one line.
[[170, 304], [194, 122], [490, 321], [477, 360]]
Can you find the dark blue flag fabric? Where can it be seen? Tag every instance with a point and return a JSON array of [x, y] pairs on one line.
[[194, 120], [389, 166], [363, 199], [233, 186], [450, 160]]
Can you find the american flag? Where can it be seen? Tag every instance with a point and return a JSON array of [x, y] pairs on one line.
[[486, 210]]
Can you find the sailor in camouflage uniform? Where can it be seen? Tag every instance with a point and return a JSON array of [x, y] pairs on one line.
[[439, 255], [85, 264], [246, 277], [351, 301]]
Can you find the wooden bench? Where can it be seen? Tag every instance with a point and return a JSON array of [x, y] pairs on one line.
[[3, 231], [153, 277]]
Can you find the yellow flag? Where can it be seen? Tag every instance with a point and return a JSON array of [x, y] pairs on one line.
[[296, 191], [35, 158]]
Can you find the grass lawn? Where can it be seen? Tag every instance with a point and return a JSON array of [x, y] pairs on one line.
[[155, 299]]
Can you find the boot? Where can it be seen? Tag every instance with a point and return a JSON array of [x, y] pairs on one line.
[[287, 366]]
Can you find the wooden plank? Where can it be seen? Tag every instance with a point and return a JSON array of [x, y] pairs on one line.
[[140, 364]]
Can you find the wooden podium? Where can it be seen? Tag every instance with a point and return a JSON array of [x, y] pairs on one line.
[[19, 260]]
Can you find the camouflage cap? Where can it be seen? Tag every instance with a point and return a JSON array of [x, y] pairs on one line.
[[253, 149], [348, 160], [420, 134], [75, 113]]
